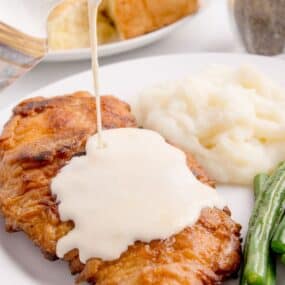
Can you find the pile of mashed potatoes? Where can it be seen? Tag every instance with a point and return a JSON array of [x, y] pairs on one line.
[[232, 120]]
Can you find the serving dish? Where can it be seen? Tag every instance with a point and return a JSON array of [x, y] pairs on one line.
[[116, 47]]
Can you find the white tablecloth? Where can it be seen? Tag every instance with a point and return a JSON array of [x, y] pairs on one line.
[[211, 31]]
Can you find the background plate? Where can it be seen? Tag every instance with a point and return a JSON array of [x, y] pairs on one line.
[[21, 262], [116, 47]]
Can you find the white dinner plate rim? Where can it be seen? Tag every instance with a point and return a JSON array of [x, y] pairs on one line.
[[118, 47]]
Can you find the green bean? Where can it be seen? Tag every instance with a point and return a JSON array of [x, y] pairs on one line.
[[259, 187], [278, 241], [267, 212], [271, 272], [259, 183]]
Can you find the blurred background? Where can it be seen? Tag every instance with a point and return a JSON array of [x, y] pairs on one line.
[[211, 29]]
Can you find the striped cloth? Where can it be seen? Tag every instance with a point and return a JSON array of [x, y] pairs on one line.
[[19, 53]]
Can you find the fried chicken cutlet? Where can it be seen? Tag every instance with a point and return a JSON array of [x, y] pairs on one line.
[[40, 138]]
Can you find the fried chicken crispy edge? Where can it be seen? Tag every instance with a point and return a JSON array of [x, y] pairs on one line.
[[40, 138]]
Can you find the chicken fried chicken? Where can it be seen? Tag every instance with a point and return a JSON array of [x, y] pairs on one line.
[[40, 138]]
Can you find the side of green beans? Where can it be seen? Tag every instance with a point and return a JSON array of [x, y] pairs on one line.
[[267, 212], [259, 183], [271, 272], [278, 241], [259, 186]]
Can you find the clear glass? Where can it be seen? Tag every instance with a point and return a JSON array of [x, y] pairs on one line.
[[260, 25]]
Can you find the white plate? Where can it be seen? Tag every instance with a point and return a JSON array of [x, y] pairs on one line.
[[21, 262], [117, 47]]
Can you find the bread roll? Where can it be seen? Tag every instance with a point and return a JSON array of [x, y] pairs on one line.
[[68, 26], [137, 17], [118, 19]]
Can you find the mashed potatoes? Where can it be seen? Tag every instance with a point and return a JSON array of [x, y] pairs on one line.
[[233, 121]]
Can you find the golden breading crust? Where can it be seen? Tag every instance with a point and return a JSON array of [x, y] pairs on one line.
[[40, 138], [204, 254], [137, 17]]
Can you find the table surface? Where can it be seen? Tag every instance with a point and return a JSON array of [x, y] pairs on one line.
[[211, 32]]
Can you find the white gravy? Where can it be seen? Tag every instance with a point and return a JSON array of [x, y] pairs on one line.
[[93, 6], [138, 187], [133, 187]]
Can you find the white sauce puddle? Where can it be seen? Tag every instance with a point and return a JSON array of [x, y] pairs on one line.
[[136, 188]]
